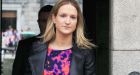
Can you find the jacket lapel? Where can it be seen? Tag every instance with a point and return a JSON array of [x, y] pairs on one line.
[[37, 57], [77, 62]]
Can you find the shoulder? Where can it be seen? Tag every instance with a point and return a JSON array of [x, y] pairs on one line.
[[33, 44], [87, 52], [29, 40], [84, 51]]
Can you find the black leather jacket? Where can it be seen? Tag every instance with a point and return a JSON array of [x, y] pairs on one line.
[[30, 58]]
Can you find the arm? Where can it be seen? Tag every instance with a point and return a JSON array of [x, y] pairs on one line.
[[18, 65], [90, 66]]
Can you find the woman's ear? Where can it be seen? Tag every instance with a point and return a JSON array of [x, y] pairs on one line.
[[53, 18]]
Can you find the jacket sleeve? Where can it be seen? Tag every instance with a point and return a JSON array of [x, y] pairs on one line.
[[19, 62], [90, 66]]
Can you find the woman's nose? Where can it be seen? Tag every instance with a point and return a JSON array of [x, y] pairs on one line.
[[67, 20]]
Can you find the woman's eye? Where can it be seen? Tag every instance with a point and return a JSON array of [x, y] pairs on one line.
[[73, 17], [63, 15]]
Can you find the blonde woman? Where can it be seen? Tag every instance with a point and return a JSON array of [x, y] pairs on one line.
[[63, 49]]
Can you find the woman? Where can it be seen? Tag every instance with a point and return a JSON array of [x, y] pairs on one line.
[[65, 36], [63, 50]]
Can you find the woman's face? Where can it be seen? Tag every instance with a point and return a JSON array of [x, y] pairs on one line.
[[66, 20]]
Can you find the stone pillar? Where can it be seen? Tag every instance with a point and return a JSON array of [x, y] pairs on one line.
[[125, 36], [31, 9], [46, 2]]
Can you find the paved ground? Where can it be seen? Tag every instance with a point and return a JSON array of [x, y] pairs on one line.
[[7, 62], [7, 66]]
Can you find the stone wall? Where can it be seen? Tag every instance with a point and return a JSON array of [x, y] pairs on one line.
[[27, 12], [125, 36]]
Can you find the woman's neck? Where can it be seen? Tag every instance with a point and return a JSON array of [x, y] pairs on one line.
[[61, 42]]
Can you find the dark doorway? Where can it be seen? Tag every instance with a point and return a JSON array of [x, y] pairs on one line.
[[8, 19], [96, 14]]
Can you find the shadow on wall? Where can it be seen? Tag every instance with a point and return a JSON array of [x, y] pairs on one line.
[[134, 73]]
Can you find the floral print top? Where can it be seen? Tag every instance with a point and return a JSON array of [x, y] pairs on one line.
[[58, 62]]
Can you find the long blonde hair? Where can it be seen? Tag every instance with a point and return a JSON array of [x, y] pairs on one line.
[[78, 36]]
